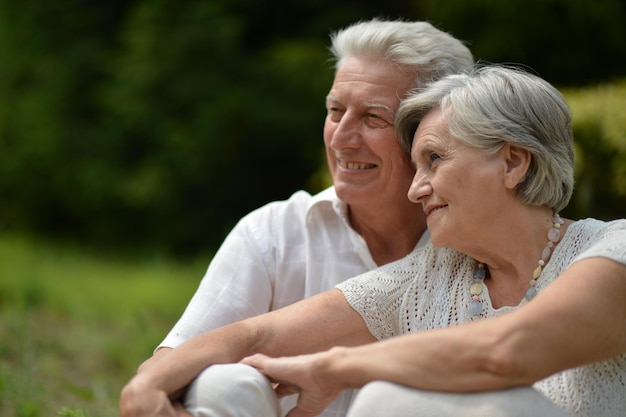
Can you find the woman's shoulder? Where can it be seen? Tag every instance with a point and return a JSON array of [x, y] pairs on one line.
[[421, 265], [592, 228], [592, 238]]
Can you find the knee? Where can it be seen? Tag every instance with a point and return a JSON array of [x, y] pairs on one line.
[[371, 400], [230, 390], [385, 398]]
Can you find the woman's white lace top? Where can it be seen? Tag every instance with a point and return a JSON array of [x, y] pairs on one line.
[[429, 289]]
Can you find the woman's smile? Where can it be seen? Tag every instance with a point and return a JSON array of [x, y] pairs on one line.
[[431, 210]]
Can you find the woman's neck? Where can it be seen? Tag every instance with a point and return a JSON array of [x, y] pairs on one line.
[[512, 257]]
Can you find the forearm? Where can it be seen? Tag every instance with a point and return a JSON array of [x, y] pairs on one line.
[[174, 370], [311, 325], [152, 360], [577, 320], [161, 381], [459, 359]]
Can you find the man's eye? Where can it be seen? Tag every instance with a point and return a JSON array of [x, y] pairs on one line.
[[374, 120], [335, 113]]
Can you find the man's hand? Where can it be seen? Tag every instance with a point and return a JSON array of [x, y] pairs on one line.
[[180, 410], [139, 399]]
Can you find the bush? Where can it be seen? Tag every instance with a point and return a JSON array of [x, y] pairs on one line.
[[156, 123], [600, 136]]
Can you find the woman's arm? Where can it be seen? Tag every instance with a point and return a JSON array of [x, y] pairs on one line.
[[579, 319], [314, 324]]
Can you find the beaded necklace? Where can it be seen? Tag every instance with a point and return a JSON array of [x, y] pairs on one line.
[[476, 289]]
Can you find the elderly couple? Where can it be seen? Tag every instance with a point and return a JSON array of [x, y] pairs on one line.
[[343, 303]]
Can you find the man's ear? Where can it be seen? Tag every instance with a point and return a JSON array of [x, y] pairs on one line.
[[517, 164]]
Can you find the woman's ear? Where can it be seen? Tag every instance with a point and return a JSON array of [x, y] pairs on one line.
[[517, 164]]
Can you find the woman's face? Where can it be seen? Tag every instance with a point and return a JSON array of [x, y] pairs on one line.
[[365, 160], [459, 186]]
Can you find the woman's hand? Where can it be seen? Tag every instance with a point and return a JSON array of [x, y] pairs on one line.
[[298, 374]]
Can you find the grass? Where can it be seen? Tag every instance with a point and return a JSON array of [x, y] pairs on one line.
[[74, 325]]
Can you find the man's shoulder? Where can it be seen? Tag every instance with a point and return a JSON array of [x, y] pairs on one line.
[[292, 210], [299, 203]]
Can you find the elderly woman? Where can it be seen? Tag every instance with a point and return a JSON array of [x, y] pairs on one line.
[[509, 294]]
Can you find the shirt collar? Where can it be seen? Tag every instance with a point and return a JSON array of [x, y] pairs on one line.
[[328, 199]]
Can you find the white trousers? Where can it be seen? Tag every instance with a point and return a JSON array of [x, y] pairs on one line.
[[236, 390], [231, 390], [382, 399]]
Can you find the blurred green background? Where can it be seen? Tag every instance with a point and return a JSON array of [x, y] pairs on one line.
[[156, 123], [134, 134]]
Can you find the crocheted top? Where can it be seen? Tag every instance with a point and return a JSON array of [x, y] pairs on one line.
[[429, 289]]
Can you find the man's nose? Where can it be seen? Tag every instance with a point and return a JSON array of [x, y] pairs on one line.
[[347, 133]]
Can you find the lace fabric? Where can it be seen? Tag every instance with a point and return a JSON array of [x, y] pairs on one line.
[[428, 290]]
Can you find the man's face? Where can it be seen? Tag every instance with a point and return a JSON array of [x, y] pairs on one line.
[[365, 160]]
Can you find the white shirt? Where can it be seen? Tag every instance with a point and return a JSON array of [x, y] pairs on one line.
[[275, 256], [430, 289]]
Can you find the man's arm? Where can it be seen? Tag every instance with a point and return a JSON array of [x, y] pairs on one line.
[[154, 358], [311, 325], [236, 285]]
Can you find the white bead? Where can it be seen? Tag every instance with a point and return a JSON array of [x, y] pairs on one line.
[[554, 235], [546, 253]]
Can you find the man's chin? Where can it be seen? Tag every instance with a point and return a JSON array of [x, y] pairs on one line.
[[354, 193]]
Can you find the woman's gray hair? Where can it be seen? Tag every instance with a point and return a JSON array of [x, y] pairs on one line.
[[495, 105], [416, 47]]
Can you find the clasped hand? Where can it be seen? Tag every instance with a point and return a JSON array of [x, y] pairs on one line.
[[297, 374], [140, 399]]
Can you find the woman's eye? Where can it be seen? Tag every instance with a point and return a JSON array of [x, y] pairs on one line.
[[433, 157]]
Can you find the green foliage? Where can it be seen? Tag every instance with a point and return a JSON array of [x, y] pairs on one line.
[[600, 136], [568, 42], [206, 125], [69, 350], [157, 123], [164, 127], [72, 412]]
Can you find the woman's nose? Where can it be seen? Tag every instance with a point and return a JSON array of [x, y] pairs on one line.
[[420, 188]]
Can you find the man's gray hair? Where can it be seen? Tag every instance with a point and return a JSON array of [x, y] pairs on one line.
[[416, 47]]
